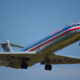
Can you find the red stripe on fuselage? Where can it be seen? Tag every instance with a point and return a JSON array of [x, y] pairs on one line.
[[72, 29]]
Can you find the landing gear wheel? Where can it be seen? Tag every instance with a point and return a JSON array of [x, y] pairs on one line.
[[48, 67], [24, 66]]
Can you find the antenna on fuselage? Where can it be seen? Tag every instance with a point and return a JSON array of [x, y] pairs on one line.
[[79, 43]]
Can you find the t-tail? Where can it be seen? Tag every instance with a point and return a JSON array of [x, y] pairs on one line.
[[7, 46]]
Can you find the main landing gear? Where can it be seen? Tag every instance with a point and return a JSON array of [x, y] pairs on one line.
[[24, 64], [48, 67]]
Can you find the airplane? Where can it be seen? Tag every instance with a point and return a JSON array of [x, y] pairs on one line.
[[43, 51]]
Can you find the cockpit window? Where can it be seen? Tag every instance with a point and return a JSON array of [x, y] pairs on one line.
[[75, 24]]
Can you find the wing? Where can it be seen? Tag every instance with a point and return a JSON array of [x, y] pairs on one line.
[[14, 60], [58, 59], [10, 64]]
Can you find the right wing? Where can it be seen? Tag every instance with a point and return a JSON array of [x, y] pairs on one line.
[[58, 59]]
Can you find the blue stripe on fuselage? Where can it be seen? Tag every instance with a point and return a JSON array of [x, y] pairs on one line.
[[47, 38]]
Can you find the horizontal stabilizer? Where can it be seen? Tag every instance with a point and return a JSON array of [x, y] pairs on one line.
[[14, 45], [11, 44], [7, 46]]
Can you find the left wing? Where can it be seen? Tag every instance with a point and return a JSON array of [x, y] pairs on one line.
[[15, 59], [10, 64]]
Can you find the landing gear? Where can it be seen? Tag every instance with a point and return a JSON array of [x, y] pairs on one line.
[[48, 67], [24, 66]]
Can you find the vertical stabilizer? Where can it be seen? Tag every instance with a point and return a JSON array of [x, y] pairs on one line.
[[6, 46]]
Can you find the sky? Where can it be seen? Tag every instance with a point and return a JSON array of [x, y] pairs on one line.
[[24, 22]]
